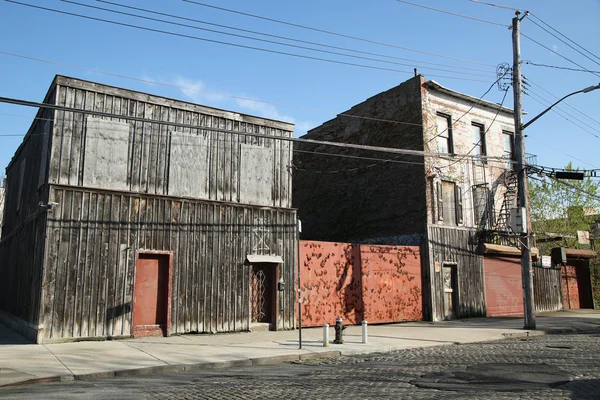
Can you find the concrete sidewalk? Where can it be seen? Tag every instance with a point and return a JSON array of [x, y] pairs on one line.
[[22, 363]]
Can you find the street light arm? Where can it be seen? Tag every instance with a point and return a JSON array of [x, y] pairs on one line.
[[586, 90]]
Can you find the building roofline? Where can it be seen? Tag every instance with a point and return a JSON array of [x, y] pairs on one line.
[[433, 85], [64, 80]]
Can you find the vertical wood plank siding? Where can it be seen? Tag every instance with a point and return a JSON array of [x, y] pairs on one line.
[[455, 245], [93, 237], [547, 289], [22, 243], [150, 144]]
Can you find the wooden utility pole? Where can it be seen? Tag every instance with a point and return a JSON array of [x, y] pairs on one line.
[[523, 191]]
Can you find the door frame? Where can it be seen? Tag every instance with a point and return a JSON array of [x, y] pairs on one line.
[[275, 293], [453, 266], [169, 255]]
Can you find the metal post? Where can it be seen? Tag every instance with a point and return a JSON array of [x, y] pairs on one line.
[[523, 194], [364, 332], [298, 230], [326, 335]]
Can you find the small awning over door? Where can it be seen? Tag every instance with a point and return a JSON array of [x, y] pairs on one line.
[[255, 259]]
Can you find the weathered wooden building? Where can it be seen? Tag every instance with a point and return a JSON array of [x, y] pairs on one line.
[[449, 191], [132, 214]]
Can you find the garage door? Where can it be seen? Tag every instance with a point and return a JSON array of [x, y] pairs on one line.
[[503, 290]]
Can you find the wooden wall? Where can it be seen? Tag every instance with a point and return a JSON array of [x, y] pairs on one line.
[[547, 292], [455, 245], [92, 240], [161, 159], [22, 244]]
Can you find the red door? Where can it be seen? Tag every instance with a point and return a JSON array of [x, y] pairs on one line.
[[151, 295]]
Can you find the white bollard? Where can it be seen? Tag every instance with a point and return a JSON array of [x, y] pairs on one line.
[[326, 335], [364, 332]]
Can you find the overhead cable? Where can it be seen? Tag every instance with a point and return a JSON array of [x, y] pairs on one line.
[[452, 13], [228, 43], [334, 33]]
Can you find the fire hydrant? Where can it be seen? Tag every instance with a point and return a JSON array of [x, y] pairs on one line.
[[339, 331]]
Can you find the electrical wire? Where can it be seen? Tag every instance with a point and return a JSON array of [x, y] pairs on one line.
[[558, 67], [568, 44], [558, 54], [482, 138], [452, 13], [566, 103], [288, 38], [560, 151], [469, 110], [270, 41], [192, 89], [227, 43], [570, 40], [537, 98], [391, 150], [334, 33], [494, 5]]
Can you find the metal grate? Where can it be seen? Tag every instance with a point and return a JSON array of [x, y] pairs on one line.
[[258, 295]]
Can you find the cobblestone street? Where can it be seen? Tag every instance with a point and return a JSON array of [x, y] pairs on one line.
[[555, 366]]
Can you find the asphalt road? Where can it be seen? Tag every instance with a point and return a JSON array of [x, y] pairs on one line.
[[557, 367]]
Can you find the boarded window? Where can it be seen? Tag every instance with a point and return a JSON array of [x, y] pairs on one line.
[[106, 154], [188, 169], [256, 175]]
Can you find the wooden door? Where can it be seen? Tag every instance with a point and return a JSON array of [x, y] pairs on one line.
[[450, 291], [151, 295]]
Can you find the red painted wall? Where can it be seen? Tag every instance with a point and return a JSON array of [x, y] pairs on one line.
[[570, 287], [356, 282], [503, 288]]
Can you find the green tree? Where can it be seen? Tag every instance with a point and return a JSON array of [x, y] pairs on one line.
[[560, 208]]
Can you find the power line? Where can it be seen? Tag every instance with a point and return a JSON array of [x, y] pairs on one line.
[[560, 151], [228, 43], [229, 131], [451, 13], [285, 37], [333, 33], [557, 53], [265, 40], [462, 158], [494, 5], [566, 103], [557, 111], [570, 40], [469, 110], [187, 88], [563, 111], [568, 44], [558, 67]]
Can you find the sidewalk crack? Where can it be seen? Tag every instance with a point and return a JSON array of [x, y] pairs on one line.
[[59, 360], [145, 352]]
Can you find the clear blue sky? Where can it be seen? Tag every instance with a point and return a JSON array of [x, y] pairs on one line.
[[307, 84]]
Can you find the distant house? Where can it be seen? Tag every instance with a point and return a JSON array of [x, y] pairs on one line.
[[449, 191], [129, 214]]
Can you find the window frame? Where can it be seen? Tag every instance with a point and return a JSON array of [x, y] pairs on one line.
[[450, 135], [481, 143], [509, 165]]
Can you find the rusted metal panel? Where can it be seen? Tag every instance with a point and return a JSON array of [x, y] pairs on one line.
[[570, 287], [503, 286], [359, 282], [93, 237]]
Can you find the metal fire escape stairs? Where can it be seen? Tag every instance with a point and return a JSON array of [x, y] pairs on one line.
[[510, 196]]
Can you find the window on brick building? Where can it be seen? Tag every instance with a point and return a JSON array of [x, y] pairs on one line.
[[444, 133]]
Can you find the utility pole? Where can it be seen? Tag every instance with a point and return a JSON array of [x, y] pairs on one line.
[[523, 190]]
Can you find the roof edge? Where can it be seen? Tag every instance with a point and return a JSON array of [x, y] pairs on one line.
[[433, 85]]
